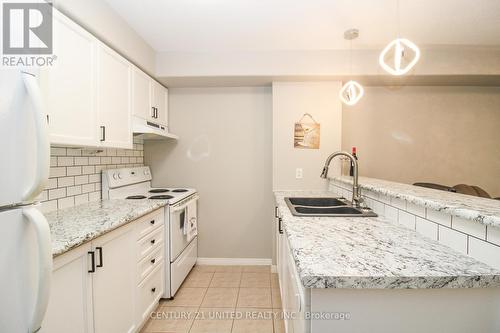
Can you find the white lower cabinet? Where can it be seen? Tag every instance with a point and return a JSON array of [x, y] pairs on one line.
[[114, 281], [70, 303], [294, 297], [107, 286]]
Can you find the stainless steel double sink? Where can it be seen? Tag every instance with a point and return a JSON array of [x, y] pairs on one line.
[[325, 206]]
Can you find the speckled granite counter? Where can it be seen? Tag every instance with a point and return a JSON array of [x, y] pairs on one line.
[[355, 252], [77, 225], [482, 210]]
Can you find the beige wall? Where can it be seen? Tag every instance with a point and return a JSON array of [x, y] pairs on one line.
[[101, 20], [445, 135], [290, 101], [224, 151]]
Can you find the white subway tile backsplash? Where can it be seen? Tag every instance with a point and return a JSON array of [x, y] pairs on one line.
[[469, 227], [74, 190], [57, 193], [493, 235], [81, 199], [95, 178], [88, 188], [407, 219], [75, 173], [73, 152], [56, 151], [57, 172], [88, 169], [427, 228], [65, 202], [81, 180], [65, 181], [485, 252], [454, 239], [415, 209], [398, 203], [439, 217], [378, 207], [391, 213], [81, 160]]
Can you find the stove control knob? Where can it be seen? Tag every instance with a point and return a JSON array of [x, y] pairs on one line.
[[146, 172], [119, 175], [115, 176]]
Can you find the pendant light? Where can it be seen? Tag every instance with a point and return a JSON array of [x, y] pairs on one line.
[[398, 49], [351, 91]]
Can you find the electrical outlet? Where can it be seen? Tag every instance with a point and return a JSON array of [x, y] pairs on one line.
[[298, 173]]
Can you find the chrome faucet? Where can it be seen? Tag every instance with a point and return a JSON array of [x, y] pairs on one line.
[[356, 194]]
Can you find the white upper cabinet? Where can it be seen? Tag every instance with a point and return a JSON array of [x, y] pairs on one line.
[[69, 87], [114, 82], [141, 94], [159, 100]]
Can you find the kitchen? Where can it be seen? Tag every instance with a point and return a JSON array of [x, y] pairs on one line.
[[241, 167]]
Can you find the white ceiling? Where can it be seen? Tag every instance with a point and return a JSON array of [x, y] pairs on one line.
[[260, 25]]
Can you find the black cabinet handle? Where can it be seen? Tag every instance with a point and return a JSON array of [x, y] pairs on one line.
[[152, 241], [152, 222], [280, 220], [153, 290], [153, 261], [103, 133], [100, 264], [92, 260], [153, 112]]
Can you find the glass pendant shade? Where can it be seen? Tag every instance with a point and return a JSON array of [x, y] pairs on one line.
[[404, 53], [351, 92]]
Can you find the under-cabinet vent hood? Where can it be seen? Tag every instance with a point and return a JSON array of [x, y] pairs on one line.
[[149, 130]]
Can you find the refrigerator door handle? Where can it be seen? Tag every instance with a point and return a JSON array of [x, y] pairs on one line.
[[42, 138], [42, 231]]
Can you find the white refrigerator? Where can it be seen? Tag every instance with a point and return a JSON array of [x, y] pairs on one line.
[[25, 247]]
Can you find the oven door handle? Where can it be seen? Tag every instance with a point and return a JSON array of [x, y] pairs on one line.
[[179, 209]]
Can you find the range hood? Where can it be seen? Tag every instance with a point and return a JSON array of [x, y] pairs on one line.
[[149, 130]]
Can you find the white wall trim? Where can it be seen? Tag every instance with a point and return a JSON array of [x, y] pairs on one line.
[[234, 261], [274, 269]]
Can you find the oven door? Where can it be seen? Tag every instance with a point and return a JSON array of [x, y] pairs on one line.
[[179, 216]]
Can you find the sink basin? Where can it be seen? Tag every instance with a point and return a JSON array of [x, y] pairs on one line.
[[317, 202], [325, 206], [331, 210]]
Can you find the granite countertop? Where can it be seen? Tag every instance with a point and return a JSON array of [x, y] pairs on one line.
[[362, 252], [71, 227], [482, 210]]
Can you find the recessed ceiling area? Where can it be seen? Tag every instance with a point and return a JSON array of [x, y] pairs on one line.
[[214, 25]]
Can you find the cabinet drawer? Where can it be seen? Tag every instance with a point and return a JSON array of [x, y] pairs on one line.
[[149, 293], [149, 223], [149, 263], [150, 243]]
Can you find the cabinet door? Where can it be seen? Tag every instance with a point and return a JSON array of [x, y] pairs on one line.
[[160, 100], [114, 282], [68, 87], [114, 99], [141, 95], [70, 302]]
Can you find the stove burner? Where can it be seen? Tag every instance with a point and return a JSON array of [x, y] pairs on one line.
[[164, 197], [136, 197], [179, 190], [159, 190]]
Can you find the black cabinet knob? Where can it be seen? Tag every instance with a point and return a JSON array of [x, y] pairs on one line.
[[152, 222], [153, 290], [152, 241], [153, 261]]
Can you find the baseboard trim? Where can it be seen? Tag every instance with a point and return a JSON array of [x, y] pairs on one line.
[[234, 261]]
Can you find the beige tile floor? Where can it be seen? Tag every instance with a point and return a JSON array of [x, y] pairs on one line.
[[222, 299]]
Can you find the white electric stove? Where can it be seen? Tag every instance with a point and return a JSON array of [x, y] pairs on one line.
[[181, 248]]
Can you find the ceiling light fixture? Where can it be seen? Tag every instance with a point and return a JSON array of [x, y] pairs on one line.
[[400, 46], [351, 91]]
